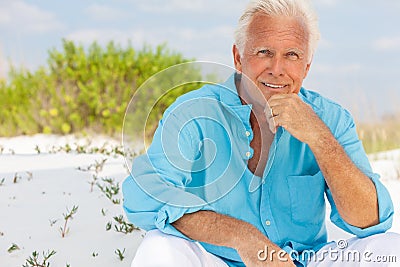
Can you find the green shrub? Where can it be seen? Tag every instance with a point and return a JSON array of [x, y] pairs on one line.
[[82, 90]]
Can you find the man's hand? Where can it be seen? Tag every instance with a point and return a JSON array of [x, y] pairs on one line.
[[268, 253], [297, 117], [353, 192]]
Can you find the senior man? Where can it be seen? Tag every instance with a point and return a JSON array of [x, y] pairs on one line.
[[255, 196]]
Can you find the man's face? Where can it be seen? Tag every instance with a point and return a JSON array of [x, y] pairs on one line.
[[275, 55]]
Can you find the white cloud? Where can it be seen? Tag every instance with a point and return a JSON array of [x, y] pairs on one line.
[[336, 69], [19, 16], [326, 3], [152, 36], [220, 7], [387, 44], [104, 12], [102, 36]]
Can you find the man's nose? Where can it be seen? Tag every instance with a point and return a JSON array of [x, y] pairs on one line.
[[276, 67]]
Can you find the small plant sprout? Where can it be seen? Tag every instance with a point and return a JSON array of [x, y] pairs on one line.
[[52, 222], [1, 149], [103, 212], [108, 226], [16, 178], [123, 226], [80, 149], [13, 248], [95, 254], [110, 189], [67, 148], [67, 216], [2, 181], [120, 254], [37, 148], [30, 175], [34, 260], [98, 166], [93, 182]]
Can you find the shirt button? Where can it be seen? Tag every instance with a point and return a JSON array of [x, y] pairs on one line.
[[267, 222], [247, 133], [248, 154]]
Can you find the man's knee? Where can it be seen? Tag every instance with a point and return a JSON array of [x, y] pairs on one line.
[[159, 249], [385, 242]]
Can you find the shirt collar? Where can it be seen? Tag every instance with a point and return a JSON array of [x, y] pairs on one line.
[[230, 98]]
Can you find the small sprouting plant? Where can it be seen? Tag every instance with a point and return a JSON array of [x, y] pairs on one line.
[[13, 248], [30, 175], [95, 254], [52, 222], [1, 149], [110, 189], [2, 181], [37, 148], [67, 216], [34, 261], [120, 254], [108, 226], [123, 226], [103, 212], [118, 150], [80, 149], [16, 178], [67, 148], [96, 167], [93, 182]]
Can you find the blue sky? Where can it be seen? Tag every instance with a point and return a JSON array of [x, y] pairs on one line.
[[357, 62]]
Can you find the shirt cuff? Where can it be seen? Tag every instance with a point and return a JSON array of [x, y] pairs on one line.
[[168, 214], [386, 211]]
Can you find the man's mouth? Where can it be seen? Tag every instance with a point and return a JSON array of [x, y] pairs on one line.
[[274, 86]]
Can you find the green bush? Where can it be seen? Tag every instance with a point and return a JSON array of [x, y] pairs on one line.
[[82, 90]]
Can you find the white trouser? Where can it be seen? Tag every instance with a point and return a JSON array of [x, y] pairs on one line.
[[160, 250], [375, 250]]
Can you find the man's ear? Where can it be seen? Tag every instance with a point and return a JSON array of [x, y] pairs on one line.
[[307, 69], [237, 59]]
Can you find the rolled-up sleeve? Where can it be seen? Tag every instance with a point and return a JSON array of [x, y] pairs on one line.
[[348, 138], [155, 194]]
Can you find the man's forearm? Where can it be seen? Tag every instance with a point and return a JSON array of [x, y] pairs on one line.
[[216, 229], [222, 230], [353, 192]]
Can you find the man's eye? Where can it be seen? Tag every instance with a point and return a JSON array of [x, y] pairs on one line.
[[292, 55], [265, 52]]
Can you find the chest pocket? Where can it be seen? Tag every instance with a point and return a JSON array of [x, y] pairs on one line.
[[307, 198]]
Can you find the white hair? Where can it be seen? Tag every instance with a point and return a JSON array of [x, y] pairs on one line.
[[273, 8]]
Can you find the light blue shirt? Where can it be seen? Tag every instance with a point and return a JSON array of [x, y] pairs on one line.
[[198, 161]]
